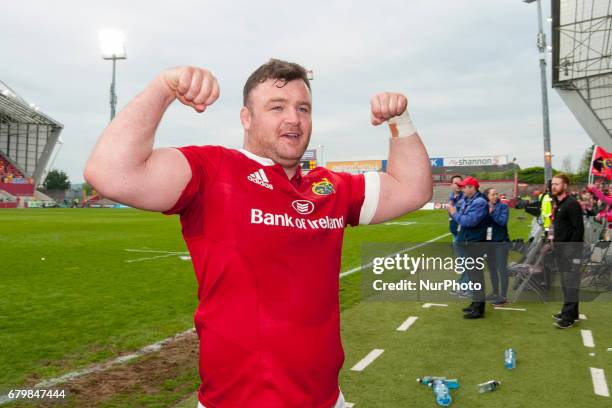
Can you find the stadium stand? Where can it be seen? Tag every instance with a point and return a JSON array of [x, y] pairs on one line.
[[7, 169], [28, 138]]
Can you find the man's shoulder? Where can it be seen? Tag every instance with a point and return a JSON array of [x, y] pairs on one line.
[[221, 153], [572, 202], [202, 151], [479, 200]]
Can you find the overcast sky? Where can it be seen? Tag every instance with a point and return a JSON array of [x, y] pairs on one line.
[[469, 69]]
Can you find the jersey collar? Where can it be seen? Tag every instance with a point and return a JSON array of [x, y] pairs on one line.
[[264, 161], [297, 177]]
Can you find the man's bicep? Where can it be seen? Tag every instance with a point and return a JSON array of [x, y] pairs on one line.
[[395, 199], [160, 183]]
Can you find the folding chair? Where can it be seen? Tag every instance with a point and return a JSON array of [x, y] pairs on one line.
[[596, 269], [528, 274]]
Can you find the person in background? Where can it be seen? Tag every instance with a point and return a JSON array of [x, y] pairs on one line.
[[497, 251], [605, 215], [568, 238], [456, 199], [587, 202], [546, 208], [471, 233]]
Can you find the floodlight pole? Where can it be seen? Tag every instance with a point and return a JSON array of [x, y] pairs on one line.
[[113, 48], [113, 95], [541, 43], [321, 150]]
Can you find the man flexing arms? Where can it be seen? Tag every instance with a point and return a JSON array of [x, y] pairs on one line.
[[265, 240]]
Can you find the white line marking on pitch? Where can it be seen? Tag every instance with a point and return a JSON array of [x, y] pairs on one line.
[[587, 338], [428, 305], [367, 360], [166, 254], [155, 252], [403, 223], [149, 258], [510, 308], [407, 323], [582, 316], [599, 382], [104, 366], [357, 269], [349, 405]]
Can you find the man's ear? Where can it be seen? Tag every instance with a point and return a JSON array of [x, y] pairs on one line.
[[245, 118]]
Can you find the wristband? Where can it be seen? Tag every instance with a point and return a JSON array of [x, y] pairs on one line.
[[401, 126]]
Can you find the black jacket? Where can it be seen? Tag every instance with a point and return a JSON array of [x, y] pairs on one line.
[[568, 225]]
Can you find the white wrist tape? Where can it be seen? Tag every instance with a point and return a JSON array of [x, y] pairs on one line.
[[401, 126]]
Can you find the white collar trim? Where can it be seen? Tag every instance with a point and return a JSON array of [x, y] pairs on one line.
[[264, 161]]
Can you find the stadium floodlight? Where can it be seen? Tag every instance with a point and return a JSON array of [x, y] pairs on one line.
[[541, 43], [112, 45]]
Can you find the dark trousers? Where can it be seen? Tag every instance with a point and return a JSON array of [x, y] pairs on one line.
[[497, 261], [475, 250], [569, 273]]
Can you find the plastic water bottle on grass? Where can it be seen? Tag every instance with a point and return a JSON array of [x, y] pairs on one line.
[[488, 386], [452, 384], [443, 397], [510, 359]]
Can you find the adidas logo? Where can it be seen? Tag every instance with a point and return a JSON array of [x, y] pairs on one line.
[[259, 177]]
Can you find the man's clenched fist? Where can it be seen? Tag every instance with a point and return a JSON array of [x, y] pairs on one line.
[[387, 105], [195, 87]]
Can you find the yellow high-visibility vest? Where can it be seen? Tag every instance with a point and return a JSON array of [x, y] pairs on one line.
[[546, 209]]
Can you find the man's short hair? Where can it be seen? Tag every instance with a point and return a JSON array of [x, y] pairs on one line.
[[563, 177], [282, 71], [456, 176]]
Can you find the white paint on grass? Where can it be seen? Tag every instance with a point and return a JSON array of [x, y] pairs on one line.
[[407, 323], [428, 305], [357, 269], [587, 338], [149, 258], [600, 386], [349, 405], [164, 254], [52, 382], [151, 251], [367, 360], [582, 316], [516, 309]]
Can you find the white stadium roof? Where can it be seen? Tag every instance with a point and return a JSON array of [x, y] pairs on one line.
[[582, 63]]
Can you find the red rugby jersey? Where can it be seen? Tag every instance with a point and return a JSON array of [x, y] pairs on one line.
[[266, 252]]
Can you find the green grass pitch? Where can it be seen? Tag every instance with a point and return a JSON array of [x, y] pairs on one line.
[[77, 287]]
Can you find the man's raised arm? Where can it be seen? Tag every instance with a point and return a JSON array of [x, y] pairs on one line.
[[124, 166], [407, 185]]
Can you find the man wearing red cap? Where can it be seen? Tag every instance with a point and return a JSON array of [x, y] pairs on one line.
[[472, 221]]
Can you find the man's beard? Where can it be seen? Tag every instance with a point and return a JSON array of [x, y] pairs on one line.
[[557, 194]]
